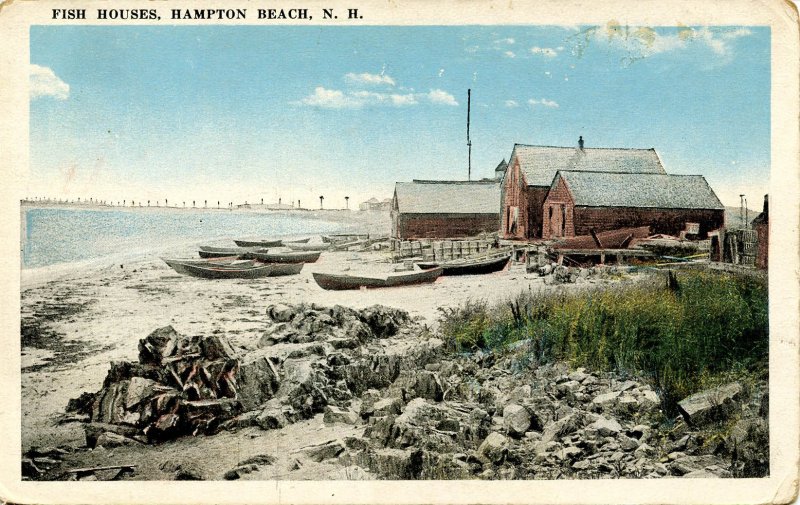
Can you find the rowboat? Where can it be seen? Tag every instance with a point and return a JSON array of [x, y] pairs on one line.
[[285, 257], [259, 243], [308, 247], [219, 252], [298, 241], [471, 266], [244, 270], [342, 281], [344, 237], [279, 269], [229, 262]]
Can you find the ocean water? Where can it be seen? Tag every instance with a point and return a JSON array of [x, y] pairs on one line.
[[53, 236]]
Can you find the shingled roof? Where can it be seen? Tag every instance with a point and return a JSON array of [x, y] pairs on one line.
[[540, 163], [448, 197], [614, 189]]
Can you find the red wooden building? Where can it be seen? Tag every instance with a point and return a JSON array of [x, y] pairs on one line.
[[580, 201], [531, 170], [445, 209]]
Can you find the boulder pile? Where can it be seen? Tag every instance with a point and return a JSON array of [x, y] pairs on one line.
[[417, 410], [198, 385]]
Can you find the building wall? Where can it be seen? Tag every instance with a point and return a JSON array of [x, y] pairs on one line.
[[557, 211], [762, 254], [414, 226], [668, 221], [536, 196], [515, 200]]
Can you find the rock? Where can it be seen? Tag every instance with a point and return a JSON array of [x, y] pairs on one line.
[[606, 400], [494, 448], [516, 419], [93, 431], [606, 427], [387, 406], [139, 390], [521, 393], [335, 414], [699, 474], [627, 443], [257, 380], [581, 465], [158, 345], [568, 389], [561, 427], [214, 347], [82, 404], [281, 313], [427, 385], [650, 398], [110, 439], [272, 416], [578, 375], [569, 453], [451, 425], [625, 386], [327, 450], [383, 321], [395, 463], [710, 405]]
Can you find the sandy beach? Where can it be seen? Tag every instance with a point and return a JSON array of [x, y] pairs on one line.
[[98, 315]]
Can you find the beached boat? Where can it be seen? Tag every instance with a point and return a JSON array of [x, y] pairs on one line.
[[298, 241], [285, 257], [220, 252], [308, 247], [280, 269], [243, 270], [345, 281], [471, 266], [344, 237], [259, 243], [179, 264]]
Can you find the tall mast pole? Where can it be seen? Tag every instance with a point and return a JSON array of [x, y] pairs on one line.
[[469, 142]]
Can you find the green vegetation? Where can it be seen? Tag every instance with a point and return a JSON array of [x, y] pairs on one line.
[[682, 335]]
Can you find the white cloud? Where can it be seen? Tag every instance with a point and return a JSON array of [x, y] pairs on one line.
[[372, 79], [511, 104], [443, 97], [547, 52], [45, 82], [401, 100], [544, 102], [508, 41], [337, 99], [509, 54]]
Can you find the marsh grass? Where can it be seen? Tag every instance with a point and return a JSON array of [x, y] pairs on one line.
[[682, 337]]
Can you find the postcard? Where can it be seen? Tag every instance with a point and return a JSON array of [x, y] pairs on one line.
[[400, 252]]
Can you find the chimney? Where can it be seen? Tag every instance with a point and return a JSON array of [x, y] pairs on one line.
[[766, 207], [580, 142]]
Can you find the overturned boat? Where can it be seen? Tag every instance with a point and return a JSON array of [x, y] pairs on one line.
[[346, 281]]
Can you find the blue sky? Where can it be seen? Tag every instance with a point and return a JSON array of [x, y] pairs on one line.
[[248, 112]]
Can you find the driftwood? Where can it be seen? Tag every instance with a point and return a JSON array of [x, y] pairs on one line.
[[101, 468]]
